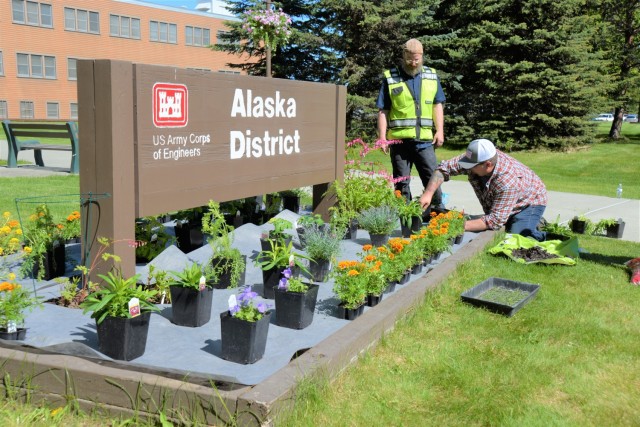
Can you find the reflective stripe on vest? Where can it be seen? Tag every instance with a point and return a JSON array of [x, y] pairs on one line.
[[403, 117]]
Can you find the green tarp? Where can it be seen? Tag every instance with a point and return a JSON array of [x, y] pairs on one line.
[[567, 251]]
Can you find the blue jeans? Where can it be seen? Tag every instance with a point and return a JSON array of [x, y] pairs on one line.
[[404, 156], [526, 221]]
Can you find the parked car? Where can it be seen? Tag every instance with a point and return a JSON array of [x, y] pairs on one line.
[[604, 117], [631, 118]]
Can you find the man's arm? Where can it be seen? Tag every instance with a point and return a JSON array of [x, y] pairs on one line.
[[435, 182], [438, 121], [475, 225], [382, 127]]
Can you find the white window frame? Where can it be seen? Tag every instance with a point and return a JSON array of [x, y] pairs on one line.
[[27, 110], [163, 32], [72, 69], [36, 66], [124, 26], [73, 111], [197, 36], [1, 64], [72, 19], [56, 113], [28, 12], [4, 109]]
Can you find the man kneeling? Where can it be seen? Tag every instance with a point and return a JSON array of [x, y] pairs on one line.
[[510, 193]]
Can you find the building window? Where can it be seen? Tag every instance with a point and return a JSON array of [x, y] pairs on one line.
[[220, 37], [124, 26], [72, 71], [195, 36], [83, 21], [36, 66], [163, 32], [73, 111], [228, 72], [4, 113], [53, 110], [26, 109], [32, 13], [1, 64]]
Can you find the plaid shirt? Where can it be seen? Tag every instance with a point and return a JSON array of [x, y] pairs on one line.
[[509, 189]]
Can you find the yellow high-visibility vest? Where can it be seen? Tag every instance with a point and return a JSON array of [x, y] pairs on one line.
[[406, 118]]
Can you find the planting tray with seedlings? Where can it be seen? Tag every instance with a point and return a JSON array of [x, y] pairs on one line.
[[500, 295]]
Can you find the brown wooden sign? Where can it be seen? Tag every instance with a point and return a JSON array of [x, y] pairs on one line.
[[160, 139]]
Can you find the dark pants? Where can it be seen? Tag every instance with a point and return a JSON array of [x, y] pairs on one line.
[[526, 222], [403, 157]]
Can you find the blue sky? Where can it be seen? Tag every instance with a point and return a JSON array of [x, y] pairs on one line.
[[190, 4]]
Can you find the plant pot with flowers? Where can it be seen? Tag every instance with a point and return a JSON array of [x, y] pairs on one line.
[[295, 301], [14, 302], [122, 311], [376, 282], [71, 228], [350, 281], [244, 328], [323, 247], [379, 221], [227, 267], [44, 246], [410, 214], [274, 261], [191, 298]]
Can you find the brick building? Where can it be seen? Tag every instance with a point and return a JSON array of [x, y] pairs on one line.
[[40, 42]]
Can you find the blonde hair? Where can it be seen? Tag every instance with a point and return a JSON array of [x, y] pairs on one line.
[[412, 46]]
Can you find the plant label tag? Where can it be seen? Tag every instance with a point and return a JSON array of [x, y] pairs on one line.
[[232, 302], [134, 307], [12, 327], [203, 283]]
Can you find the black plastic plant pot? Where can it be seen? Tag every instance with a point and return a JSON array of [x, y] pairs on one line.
[[190, 307], [243, 342], [53, 262], [378, 240], [19, 335], [294, 310], [271, 278], [373, 300], [578, 226], [507, 298], [405, 278], [123, 338], [350, 313], [352, 230], [616, 230], [320, 269], [189, 236], [291, 203], [412, 228], [417, 269], [224, 280], [391, 286], [458, 239]]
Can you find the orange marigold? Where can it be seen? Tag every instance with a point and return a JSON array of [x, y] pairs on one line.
[[370, 258], [367, 247], [6, 286], [353, 273]]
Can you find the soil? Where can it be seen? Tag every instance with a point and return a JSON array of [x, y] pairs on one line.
[[535, 253]]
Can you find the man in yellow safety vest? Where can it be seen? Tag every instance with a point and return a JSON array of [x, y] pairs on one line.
[[410, 105]]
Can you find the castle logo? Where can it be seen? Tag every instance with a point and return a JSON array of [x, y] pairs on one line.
[[170, 105]]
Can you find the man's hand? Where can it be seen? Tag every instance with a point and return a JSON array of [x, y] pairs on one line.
[[438, 139], [425, 200]]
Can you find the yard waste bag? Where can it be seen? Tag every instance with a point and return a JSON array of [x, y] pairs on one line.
[[566, 252]]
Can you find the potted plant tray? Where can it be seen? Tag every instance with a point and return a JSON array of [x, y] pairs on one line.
[[243, 342], [123, 338], [500, 296], [616, 230]]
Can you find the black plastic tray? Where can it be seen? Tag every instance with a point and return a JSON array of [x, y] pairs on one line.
[[473, 295]]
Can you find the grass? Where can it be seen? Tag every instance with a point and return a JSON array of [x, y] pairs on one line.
[[569, 357], [50, 189]]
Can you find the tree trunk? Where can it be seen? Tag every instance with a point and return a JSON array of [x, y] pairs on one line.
[[616, 125]]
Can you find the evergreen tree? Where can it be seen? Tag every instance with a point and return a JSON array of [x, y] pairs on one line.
[[619, 41], [524, 73]]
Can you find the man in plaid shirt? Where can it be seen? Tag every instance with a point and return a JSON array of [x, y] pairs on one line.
[[510, 193]]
